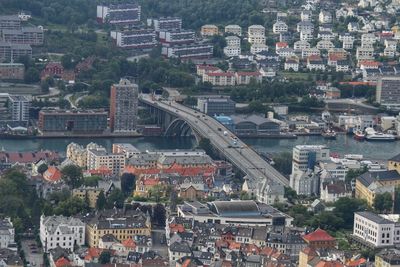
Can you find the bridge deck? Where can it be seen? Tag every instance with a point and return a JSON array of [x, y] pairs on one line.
[[236, 151]]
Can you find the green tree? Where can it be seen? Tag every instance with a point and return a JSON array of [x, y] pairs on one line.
[[159, 214], [105, 257], [205, 144], [91, 180], [156, 193], [345, 208], [72, 175], [290, 194], [101, 201], [128, 183], [327, 220], [115, 199], [383, 202], [32, 75], [283, 162], [42, 168]]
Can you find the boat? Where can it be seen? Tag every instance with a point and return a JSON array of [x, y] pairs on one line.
[[354, 156], [329, 134], [373, 135], [359, 135]]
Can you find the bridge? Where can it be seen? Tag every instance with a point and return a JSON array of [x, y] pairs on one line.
[[180, 120]]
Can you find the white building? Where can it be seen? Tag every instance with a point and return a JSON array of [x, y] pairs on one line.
[[291, 64], [232, 41], [19, 107], [305, 26], [347, 44], [300, 45], [306, 15], [325, 45], [256, 34], [374, 230], [61, 231], [306, 36], [325, 17], [98, 158], [310, 52], [279, 27], [257, 48], [232, 51], [304, 183], [7, 233], [368, 38], [234, 29], [365, 53], [306, 156]]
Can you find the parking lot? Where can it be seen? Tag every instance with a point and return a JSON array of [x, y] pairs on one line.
[[33, 254]]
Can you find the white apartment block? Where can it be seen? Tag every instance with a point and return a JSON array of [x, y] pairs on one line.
[[305, 26], [347, 44], [234, 29], [306, 36], [306, 156], [61, 231], [390, 43], [306, 15], [279, 27], [368, 38], [99, 158], [364, 53], [374, 230], [257, 48], [291, 65], [310, 52], [7, 233], [232, 51], [325, 17], [232, 41], [325, 45], [256, 34], [304, 183], [346, 37], [301, 45], [389, 52]]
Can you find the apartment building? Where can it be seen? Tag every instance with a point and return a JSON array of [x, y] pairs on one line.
[[10, 22], [306, 156], [363, 53], [301, 45], [19, 108], [89, 193], [14, 51], [78, 154], [121, 14], [388, 92], [234, 29], [258, 48], [232, 41], [325, 17], [196, 50], [220, 78], [12, 71], [325, 45], [122, 224], [76, 121], [307, 52], [60, 231], [25, 35], [232, 51], [305, 26], [124, 106], [306, 15], [165, 24], [256, 34], [387, 258], [306, 36], [245, 77], [375, 231], [98, 158], [7, 233], [279, 27], [135, 39], [209, 30], [177, 37]]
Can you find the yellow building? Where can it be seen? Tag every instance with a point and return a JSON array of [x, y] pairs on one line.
[[123, 224], [209, 30], [394, 163], [369, 184], [91, 193], [388, 258]]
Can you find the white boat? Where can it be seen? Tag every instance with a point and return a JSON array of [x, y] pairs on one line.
[[373, 135], [354, 156]]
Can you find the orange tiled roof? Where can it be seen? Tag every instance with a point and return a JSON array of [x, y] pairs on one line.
[[129, 243], [356, 263], [329, 264], [93, 253], [176, 228], [61, 262], [52, 174], [318, 235]]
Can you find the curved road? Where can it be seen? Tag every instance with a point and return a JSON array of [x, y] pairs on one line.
[[246, 159]]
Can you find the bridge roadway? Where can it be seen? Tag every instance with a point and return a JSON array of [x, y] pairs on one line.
[[241, 155]]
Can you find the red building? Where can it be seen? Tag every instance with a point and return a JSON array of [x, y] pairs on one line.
[[319, 239]]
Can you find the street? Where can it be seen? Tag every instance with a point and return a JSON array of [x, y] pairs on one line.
[[33, 254]]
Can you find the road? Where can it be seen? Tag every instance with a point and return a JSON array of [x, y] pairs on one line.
[[237, 152], [359, 102]]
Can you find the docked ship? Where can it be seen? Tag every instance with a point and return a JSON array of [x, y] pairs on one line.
[[329, 134], [359, 135], [372, 135]]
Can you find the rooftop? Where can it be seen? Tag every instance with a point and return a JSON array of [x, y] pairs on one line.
[[374, 217]]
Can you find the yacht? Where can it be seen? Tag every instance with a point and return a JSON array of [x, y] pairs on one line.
[[373, 135]]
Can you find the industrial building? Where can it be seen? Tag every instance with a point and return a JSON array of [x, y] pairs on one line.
[[216, 105], [74, 121], [124, 106]]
